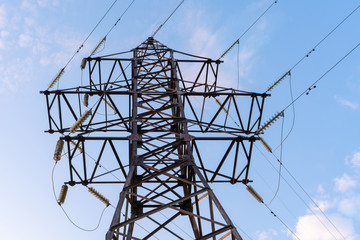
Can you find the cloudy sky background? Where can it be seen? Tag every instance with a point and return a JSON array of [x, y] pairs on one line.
[[37, 38]]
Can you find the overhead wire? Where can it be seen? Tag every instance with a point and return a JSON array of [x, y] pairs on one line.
[[276, 216], [312, 200], [92, 31], [280, 161], [323, 39], [61, 72], [295, 192], [313, 85], [172, 13], [318, 44], [237, 40], [294, 115], [66, 214]]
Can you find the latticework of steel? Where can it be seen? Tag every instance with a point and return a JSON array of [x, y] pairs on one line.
[[157, 106]]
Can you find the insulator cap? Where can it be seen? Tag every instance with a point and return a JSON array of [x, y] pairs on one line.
[[86, 100], [83, 63], [220, 104], [80, 121], [77, 146], [58, 150], [252, 191], [62, 195], [266, 145], [109, 105], [98, 46], [56, 78], [99, 196]]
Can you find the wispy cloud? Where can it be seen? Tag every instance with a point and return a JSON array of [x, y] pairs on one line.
[[347, 103], [355, 160], [344, 183], [3, 16], [350, 206], [267, 235]]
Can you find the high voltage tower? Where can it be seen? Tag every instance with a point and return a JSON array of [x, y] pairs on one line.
[[155, 117]]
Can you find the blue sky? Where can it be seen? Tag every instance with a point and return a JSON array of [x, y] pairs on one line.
[[37, 37]]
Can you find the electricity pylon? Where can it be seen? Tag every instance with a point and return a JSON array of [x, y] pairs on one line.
[[157, 105]]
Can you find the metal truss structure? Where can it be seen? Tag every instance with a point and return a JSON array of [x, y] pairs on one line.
[[167, 116]]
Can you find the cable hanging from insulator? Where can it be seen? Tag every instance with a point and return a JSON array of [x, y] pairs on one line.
[[99, 196], [220, 104], [252, 191], [109, 105], [83, 63], [229, 49], [76, 146], [102, 42], [58, 150], [86, 100], [80, 121], [288, 73], [266, 145], [269, 122], [56, 78], [62, 194]]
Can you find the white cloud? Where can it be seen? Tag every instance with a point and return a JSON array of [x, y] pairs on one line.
[[347, 103], [350, 206], [344, 183], [267, 235], [28, 5], [355, 159], [321, 189], [2, 16], [310, 228], [25, 40]]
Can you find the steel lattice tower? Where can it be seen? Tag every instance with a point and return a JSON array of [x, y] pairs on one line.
[[144, 100]]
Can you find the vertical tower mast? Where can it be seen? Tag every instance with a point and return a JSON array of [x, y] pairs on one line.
[[163, 176]]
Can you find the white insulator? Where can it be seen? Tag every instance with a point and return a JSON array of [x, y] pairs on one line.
[[99, 196], [220, 104], [62, 194], [269, 122], [109, 105], [229, 49], [86, 100], [78, 147], [266, 145], [83, 63], [80, 121], [56, 78], [58, 150], [98, 46], [288, 73], [252, 191]]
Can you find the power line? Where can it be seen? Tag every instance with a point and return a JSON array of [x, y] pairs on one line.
[[67, 215], [82, 45], [61, 72], [314, 48], [275, 215], [280, 161], [237, 40], [157, 30], [293, 189], [323, 39], [313, 85], [312, 200]]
